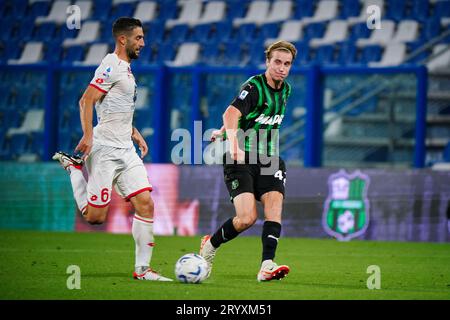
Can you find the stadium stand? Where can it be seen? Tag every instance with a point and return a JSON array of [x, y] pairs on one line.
[[231, 33]]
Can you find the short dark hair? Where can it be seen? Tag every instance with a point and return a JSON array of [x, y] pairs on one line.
[[125, 25]]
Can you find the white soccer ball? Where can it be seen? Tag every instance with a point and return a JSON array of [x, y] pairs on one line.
[[191, 268]]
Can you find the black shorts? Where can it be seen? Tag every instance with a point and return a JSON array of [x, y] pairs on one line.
[[255, 178]]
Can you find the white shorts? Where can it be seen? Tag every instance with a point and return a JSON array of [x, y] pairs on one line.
[[121, 168]]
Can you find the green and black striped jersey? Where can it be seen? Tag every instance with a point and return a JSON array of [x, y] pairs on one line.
[[263, 109]]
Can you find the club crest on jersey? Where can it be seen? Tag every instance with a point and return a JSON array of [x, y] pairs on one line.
[[276, 119], [243, 94], [107, 72], [346, 210]]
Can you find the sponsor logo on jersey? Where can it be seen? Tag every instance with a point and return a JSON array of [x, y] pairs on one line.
[[276, 119], [346, 210], [243, 94], [107, 72], [99, 80]]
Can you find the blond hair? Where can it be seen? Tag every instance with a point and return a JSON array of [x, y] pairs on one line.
[[281, 46]]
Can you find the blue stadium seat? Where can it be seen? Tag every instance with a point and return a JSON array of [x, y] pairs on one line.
[[420, 10], [349, 8], [18, 9], [268, 31], [441, 9], [177, 34], [66, 141], [73, 53], [19, 144], [145, 56], [209, 54], [446, 153], [25, 29], [125, 9], [396, 10], [304, 8], [65, 33], [53, 52], [45, 32], [430, 29], [101, 10], [371, 53], [412, 46], [222, 31], [164, 52], [256, 55], [303, 54], [314, 30], [358, 31], [244, 33], [324, 55], [39, 9], [167, 10], [236, 9], [201, 33], [154, 31]]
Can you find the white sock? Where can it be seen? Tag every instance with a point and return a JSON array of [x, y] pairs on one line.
[[79, 185], [142, 231]]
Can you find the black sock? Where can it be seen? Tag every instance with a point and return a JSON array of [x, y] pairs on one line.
[[270, 234], [224, 234]]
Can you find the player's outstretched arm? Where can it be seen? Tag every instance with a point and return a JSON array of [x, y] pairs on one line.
[[140, 141], [86, 103]]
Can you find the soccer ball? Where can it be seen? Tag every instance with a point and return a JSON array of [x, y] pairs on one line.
[[191, 268]]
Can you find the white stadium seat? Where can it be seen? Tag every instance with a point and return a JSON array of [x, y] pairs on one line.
[[145, 11], [290, 31], [32, 53], [281, 10], [187, 54], [57, 13], [380, 36], [326, 10], [190, 14], [407, 31], [337, 30], [442, 61], [214, 12], [257, 13], [85, 8], [34, 121], [95, 54], [393, 55], [89, 32]]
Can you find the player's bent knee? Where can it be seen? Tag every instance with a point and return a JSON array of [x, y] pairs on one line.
[[94, 220]]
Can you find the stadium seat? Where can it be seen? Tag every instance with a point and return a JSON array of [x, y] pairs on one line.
[[324, 55], [101, 10], [187, 54], [349, 8], [363, 13], [396, 10], [209, 53], [39, 8], [326, 10], [281, 10], [214, 12], [95, 54], [257, 13], [346, 54], [34, 121], [201, 33], [430, 29], [85, 8], [57, 13], [379, 36], [73, 53], [407, 31], [371, 53], [291, 30], [359, 31], [303, 8], [442, 59], [313, 30], [177, 34], [89, 32], [441, 9], [32, 53], [145, 11], [394, 54], [19, 144], [190, 14], [336, 32], [420, 10], [45, 32]]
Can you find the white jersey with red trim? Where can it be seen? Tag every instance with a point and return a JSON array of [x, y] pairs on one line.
[[115, 110]]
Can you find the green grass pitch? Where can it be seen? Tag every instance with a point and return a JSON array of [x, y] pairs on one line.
[[34, 266]]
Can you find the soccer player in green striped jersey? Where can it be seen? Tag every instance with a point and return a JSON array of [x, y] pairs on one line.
[[253, 169]]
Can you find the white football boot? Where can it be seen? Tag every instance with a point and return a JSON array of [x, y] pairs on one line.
[[67, 160], [270, 271], [208, 252], [149, 274]]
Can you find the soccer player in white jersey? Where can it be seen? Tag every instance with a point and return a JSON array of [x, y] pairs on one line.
[[108, 151]]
